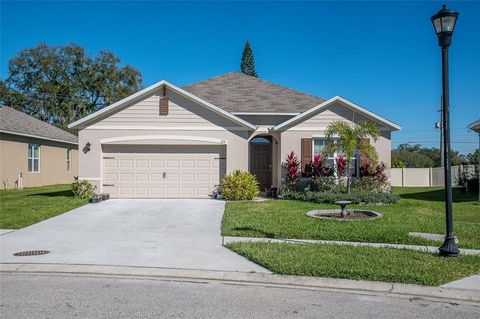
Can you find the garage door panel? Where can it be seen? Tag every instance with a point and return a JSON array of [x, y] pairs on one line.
[[142, 163], [157, 163], [188, 164], [203, 163], [190, 172], [110, 177], [141, 191], [157, 192], [125, 191], [141, 177]]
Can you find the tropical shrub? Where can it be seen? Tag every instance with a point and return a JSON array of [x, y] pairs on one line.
[[319, 168], [355, 198], [341, 165], [378, 171], [324, 184], [370, 184], [239, 185], [472, 185], [292, 171], [352, 138], [82, 189]]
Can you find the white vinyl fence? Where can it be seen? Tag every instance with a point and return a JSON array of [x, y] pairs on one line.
[[432, 176]]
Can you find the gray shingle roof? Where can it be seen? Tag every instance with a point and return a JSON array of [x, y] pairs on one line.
[[237, 92], [15, 121]]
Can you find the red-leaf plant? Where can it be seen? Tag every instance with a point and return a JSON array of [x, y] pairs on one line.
[[319, 168], [292, 170], [375, 171], [341, 165]]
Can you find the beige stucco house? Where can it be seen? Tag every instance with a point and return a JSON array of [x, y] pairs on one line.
[[170, 142], [34, 153]]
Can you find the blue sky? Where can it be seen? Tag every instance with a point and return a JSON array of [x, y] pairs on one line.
[[380, 55]]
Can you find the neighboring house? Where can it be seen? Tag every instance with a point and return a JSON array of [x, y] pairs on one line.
[[170, 142], [34, 153], [475, 126]]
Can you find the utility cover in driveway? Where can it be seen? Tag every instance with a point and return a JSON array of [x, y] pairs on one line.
[[161, 171]]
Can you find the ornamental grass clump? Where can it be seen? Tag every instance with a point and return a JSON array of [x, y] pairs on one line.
[[239, 185]]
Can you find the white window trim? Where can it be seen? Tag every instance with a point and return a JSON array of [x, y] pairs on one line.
[[335, 154], [33, 159], [69, 160]]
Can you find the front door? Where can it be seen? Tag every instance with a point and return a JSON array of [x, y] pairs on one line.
[[261, 160]]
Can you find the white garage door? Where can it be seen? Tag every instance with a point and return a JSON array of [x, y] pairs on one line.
[[161, 171]]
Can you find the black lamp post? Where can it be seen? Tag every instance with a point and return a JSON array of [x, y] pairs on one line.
[[444, 24]]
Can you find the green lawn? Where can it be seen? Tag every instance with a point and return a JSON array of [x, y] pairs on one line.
[[21, 208], [419, 210], [366, 263]]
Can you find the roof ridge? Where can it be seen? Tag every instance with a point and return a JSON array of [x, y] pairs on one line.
[[257, 79], [213, 77], [279, 85]]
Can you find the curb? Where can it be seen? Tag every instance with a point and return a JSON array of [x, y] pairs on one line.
[[244, 278]]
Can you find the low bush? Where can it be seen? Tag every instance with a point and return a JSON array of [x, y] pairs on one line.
[[355, 198], [326, 184], [472, 185], [239, 185], [370, 184], [82, 189]]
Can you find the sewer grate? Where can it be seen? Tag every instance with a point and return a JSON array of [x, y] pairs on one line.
[[31, 253]]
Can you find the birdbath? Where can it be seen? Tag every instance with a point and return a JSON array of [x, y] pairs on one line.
[[343, 204]]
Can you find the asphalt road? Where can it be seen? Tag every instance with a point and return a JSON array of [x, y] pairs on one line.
[[64, 296]]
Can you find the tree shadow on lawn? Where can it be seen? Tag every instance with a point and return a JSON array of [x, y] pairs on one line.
[[64, 193], [438, 195]]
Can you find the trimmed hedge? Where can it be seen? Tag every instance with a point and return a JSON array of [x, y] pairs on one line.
[[355, 198]]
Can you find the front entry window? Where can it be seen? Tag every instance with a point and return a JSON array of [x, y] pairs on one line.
[[319, 145]]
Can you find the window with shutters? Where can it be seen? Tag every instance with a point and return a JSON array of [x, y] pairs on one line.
[[318, 147]]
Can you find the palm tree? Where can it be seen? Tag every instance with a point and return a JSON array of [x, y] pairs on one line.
[[351, 138]]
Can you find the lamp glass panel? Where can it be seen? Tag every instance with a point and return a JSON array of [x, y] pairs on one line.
[[448, 23], [438, 25]]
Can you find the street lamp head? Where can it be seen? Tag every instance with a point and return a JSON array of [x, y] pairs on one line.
[[444, 24]]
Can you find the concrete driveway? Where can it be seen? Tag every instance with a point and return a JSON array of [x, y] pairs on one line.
[[152, 233]]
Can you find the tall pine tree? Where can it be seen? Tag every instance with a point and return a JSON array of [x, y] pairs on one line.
[[247, 66]]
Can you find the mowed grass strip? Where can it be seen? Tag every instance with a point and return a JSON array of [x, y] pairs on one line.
[[360, 263], [21, 208], [419, 210]]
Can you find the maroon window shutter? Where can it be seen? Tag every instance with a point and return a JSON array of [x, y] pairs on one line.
[[362, 156], [306, 156], [164, 105]]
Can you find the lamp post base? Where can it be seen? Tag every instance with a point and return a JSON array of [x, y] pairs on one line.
[[449, 248]]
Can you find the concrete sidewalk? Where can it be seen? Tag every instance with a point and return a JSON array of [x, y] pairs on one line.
[[430, 249], [442, 294]]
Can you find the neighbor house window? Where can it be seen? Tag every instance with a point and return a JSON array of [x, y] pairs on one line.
[[69, 160], [319, 145], [33, 158]]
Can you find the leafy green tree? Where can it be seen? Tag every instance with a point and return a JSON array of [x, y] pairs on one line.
[[396, 163], [352, 139], [61, 84], [247, 65], [418, 156]]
